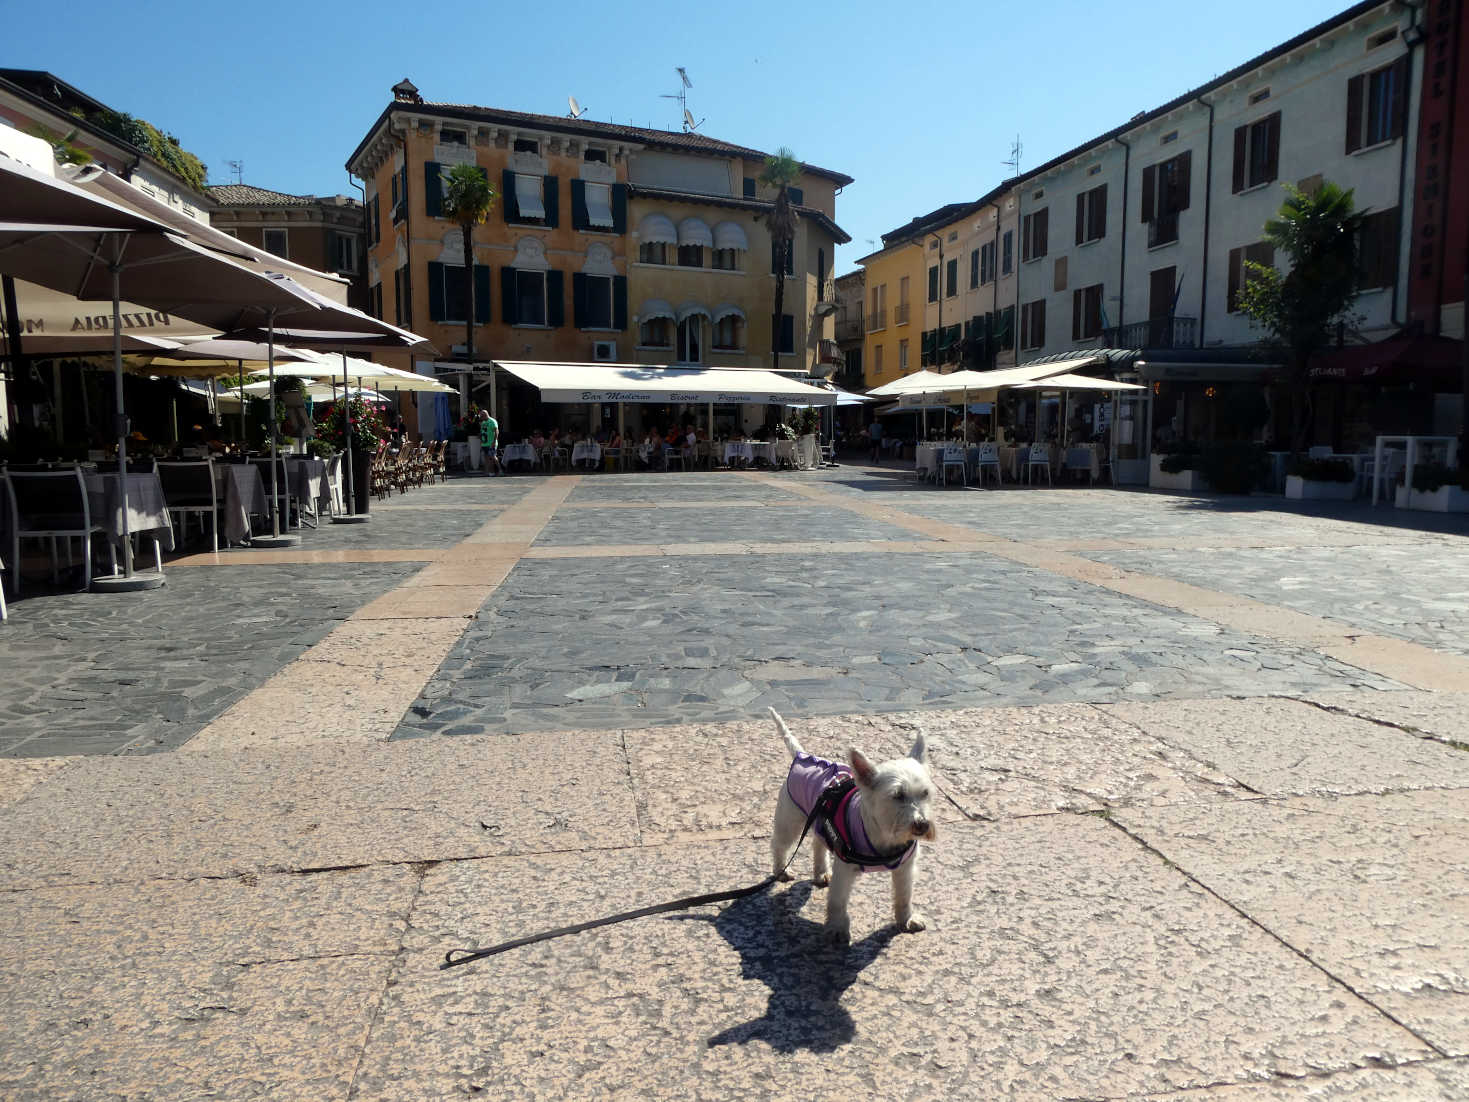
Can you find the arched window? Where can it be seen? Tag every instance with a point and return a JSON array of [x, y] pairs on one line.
[[729, 328]]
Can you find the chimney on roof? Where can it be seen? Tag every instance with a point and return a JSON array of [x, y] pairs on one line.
[[405, 92]]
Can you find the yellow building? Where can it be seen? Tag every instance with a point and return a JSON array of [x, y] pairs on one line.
[[892, 276]]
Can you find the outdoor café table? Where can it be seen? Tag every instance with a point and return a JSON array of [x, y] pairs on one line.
[[308, 480], [926, 459], [147, 509], [244, 496], [1010, 457], [518, 453], [1085, 457], [459, 454], [586, 449], [738, 449], [763, 451]]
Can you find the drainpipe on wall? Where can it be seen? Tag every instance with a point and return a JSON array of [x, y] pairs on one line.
[[362, 253], [1208, 190], [1122, 267], [1414, 41]]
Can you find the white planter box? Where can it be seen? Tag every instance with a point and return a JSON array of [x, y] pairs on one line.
[[1189, 482], [1305, 489], [1446, 499]]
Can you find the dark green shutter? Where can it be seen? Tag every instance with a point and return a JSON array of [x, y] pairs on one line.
[[508, 203], [481, 294], [555, 291], [619, 302], [551, 199], [619, 208], [579, 205], [749, 187], [788, 334], [796, 196], [578, 290], [435, 291], [433, 189], [507, 296]]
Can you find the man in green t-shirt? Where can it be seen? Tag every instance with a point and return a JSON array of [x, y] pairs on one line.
[[489, 430]]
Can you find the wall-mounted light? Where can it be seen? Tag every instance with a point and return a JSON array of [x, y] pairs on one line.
[[1412, 35]]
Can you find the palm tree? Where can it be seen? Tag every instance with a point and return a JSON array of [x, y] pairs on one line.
[[781, 171], [1317, 231], [468, 200]]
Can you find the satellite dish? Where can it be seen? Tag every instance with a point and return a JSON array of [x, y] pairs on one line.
[[688, 120], [577, 110], [683, 76]]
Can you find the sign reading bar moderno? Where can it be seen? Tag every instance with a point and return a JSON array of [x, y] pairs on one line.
[[672, 397]]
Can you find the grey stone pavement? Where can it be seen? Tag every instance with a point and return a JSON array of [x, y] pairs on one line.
[[1204, 768]]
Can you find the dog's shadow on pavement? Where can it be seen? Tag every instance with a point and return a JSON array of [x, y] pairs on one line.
[[807, 976]]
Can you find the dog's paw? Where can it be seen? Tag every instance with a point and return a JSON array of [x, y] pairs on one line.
[[821, 879], [839, 936], [784, 877], [915, 922]]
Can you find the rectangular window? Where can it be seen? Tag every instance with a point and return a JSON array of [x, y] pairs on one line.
[[599, 205], [729, 333], [691, 340], [1256, 153], [402, 301], [1376, 103], [787, 334], [594, 153], [877, 359], [530, 297], [1005, 329], [902, 291], [343, 252], [655, 333], [1165, 195], [1091, 215], [796, 196], [1377, 250], [274, 241], [903, 357], [1059, 274], [987, 262], [933, 283], [951, 278], [1007, 252], [528, 196], [1034, 234], [1086, 312], [973, 269], [653, 252], [1033, 324], [749, 191], [598, 306], [691, 256], [727, 260], [527, 145], [453, 137], [1259, 253]]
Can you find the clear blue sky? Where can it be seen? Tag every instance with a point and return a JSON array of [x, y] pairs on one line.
[[918, 101]]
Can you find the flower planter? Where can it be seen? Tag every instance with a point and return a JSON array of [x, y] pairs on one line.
[[1445, 499], [1189, 482], [1308, 489]]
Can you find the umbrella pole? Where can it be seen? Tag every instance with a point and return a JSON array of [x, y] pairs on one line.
[[126, 581], [352, 516], [275, 539], [242, 404]]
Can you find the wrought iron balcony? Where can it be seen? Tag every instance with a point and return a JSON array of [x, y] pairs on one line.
[[849, 326], [900, 314], [877, 319], [1170, 332]]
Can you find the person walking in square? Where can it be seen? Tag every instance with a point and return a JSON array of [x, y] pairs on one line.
[[489, 431], [875, 432]]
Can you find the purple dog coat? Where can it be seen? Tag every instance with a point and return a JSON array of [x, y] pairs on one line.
[[808, 778]]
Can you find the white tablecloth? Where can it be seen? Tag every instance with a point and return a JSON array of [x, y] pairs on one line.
[[738, 449], [926, 458], [1085, 457], [518, 452], [785, 451], [147, 511], [586, 449], [244, 495]]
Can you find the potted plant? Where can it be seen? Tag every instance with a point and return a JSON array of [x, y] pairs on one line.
[[368, 428], [1177, 466], [1435, 489], [1233, 466], [1320, 480]]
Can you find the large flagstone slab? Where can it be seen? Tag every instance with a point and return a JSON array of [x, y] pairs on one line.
[[1440, 716], [1062, 960], [1372, 888], [216, 813], [1282, 747], [1444, 1079]]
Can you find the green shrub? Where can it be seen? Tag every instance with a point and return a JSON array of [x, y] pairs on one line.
[[1181, 455], [1234, 467], [1323, 470], [1428, 477]]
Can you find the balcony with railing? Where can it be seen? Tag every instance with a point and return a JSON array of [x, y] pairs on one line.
[[849, 326], [900, 314], [828, 352], [877, 319], [1169, 332]]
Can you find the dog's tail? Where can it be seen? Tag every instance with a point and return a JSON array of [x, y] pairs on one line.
[[785, 732]]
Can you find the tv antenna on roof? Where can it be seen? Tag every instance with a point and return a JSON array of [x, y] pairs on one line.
[[577, 110], [1013, 164], [238, 168], [689, 124]]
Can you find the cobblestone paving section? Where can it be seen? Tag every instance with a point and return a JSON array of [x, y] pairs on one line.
[[1412, 591], [87, 673], [591, 527], [685, 641], [400, 527], [658, 489]]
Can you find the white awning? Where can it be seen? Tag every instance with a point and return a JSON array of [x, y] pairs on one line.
[[599, 205], [695, 231], [692, 309], [931, 382], [731, 235], [656, 308], [528, 196], [1078, 382], [653, 383], [657, 229], [728, 310]]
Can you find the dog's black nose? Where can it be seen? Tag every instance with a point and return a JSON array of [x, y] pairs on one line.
[[920, 827]]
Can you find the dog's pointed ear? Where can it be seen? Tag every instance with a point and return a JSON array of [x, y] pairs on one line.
[[919, 753], [865, 771]]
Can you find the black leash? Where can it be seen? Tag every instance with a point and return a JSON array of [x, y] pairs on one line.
[[826, 803]]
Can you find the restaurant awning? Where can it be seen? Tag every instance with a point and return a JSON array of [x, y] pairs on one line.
[[657, 229], [931, 382], [1077, 382], [1394, 362], [653, 383]]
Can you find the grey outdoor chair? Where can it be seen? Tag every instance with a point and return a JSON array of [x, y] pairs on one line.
[[51, 505], [189, 487]]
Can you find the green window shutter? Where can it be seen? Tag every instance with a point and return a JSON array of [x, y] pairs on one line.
[[578, 291], [579, 205], [551, 198], [433, 189], [619, 208], [435, 291], [508, 203], [796, 196], [749, 187], [507, 296], [481, 294], [787, 334], [555, 291], [619, 302]]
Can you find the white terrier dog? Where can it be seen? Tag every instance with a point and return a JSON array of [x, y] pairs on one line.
[[877, 824]]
